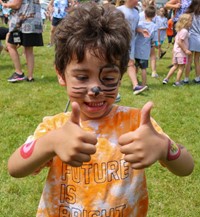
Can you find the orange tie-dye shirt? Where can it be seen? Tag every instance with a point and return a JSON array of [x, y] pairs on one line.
[[106, 186]]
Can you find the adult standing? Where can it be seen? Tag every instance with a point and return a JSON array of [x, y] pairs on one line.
[[194, 42], [25, 28]]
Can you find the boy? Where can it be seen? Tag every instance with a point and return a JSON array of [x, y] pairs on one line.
[[143, 44], [90, 174]]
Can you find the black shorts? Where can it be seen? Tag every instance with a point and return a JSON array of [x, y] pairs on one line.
[[170, 37], [26, 39], [3, 32], [56, 21], [142, 64]]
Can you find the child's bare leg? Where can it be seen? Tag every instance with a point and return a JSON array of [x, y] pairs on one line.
[[153, 62], [144, 77], [180, 72], [171, 71]]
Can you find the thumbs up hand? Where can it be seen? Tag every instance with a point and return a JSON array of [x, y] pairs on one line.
[[145, 145], [71, 143]]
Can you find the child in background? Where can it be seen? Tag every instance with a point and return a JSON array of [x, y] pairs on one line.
[[98, 152], [161, 22], [143, 44], [194, 42], [145, 4], [180, 51], [170, 31]]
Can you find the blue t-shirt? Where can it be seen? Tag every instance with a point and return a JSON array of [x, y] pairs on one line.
[[161, 23], [132, 15], [142, 44]]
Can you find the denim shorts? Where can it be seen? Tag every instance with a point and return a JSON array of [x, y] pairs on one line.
[[142, 64]]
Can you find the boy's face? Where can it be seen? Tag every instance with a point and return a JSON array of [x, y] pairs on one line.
[[93, 84]]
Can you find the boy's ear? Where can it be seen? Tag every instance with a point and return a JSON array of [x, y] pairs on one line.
[[61, 78]]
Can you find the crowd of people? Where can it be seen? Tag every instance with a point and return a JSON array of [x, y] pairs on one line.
[[151, 27]]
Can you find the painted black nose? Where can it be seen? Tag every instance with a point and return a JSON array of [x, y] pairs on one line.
[[96, 90]]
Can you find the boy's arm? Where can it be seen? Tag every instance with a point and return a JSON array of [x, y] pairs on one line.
[[70, 143], [145, 146], [144, 32]]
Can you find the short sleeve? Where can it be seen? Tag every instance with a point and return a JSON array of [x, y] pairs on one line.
[[48, 124], [183, 34]]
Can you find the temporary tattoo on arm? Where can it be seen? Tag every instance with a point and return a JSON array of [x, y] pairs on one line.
[[27, 149], [174, 151]]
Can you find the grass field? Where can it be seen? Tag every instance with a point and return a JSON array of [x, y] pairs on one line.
[[23, 105]]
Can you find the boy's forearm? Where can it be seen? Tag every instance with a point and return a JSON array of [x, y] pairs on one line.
[[23, 163], [182, 166]]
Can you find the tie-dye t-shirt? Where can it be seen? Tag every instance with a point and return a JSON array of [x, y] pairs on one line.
[[106, 186]]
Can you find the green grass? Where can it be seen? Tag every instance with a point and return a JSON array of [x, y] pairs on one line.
[[23, 105]]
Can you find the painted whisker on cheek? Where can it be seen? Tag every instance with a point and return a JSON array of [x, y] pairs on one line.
[[79, 88], [79, 91], [27, 149], [109, 90], [108, 96]]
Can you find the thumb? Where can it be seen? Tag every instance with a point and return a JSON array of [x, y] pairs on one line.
[[145, 113], [75, 115]]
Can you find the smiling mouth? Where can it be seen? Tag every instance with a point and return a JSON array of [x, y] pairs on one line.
[[95, 104]]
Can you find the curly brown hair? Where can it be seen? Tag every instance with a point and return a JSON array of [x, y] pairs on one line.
[[103, 31]]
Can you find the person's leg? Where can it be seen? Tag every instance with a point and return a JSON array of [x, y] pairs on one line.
[[171, 71], [12, 49], [197, 66], [153, 62], [52, 35], [30, 61], [179, 73], [132, 73], [144, 77], [188, 69]]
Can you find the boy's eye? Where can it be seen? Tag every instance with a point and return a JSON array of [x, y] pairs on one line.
[[107, 79], [81, 77]]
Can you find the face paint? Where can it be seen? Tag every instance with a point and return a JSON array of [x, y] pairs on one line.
[[109, 77], [27, 149], [96, 90]]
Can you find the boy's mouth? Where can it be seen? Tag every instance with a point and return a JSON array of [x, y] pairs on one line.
[[95, 104]]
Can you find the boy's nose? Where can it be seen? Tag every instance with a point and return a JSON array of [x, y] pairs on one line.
[[96, 90]]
